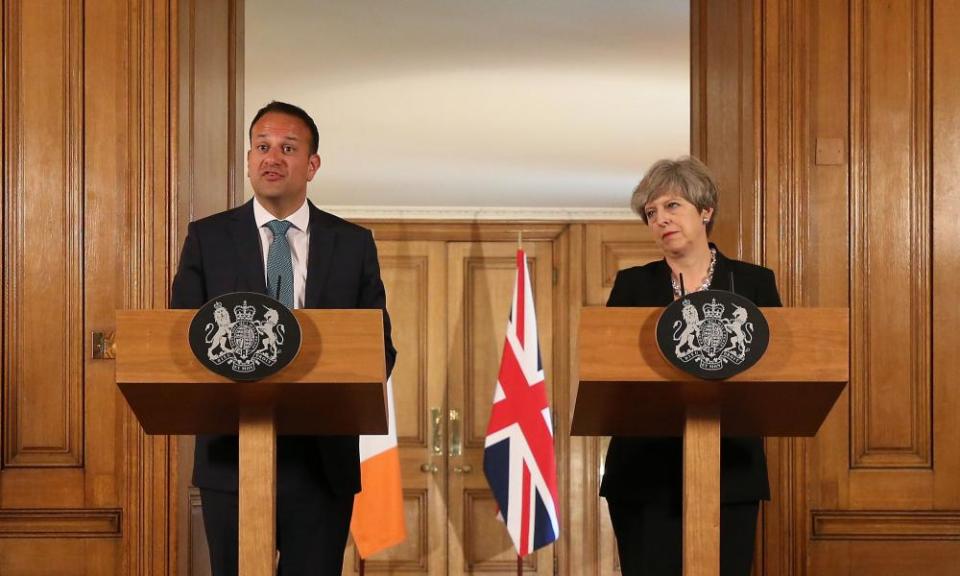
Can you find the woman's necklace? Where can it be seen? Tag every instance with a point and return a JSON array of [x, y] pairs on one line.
[[706, 281]]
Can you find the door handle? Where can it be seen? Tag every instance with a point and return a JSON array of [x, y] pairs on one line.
[[429, 468], [465, 469], [456, 443], [437, 440]]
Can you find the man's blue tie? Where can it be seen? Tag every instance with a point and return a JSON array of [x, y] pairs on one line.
[[280, 264]]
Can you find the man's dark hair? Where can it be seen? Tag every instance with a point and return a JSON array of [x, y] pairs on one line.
[[289, 110]]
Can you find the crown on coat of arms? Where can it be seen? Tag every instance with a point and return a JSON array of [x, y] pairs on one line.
[[713, 309], [245, 311]]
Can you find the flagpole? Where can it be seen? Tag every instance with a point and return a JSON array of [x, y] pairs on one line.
[[519, 565], [520, 239], [361, 566]]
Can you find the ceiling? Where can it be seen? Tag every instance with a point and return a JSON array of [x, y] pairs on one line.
[[494, 107]]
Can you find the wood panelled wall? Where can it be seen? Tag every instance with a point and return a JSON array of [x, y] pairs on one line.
[[210, 175], [833, 130], [85, 194], [856, 143]]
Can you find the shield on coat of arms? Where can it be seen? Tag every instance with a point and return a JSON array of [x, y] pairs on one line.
[[244, 335], [712, 334]]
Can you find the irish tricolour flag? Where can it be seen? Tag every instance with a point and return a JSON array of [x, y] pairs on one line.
[[377, 522]]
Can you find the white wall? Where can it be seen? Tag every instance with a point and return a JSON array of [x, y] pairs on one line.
[[557, 106]]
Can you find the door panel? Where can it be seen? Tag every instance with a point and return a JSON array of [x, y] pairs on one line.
[[414, 274]]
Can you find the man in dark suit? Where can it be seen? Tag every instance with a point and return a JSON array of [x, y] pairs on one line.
[[282, 245]]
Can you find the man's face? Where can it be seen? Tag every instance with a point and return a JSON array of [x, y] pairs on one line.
[[279, 163]]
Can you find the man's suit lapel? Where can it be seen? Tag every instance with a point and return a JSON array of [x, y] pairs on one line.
[[246, 241], [320, 257]]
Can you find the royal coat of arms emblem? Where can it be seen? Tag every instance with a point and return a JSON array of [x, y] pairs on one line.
[[712, 334], [244, 336]]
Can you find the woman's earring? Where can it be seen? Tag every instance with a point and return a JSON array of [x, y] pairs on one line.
[[706, 221]]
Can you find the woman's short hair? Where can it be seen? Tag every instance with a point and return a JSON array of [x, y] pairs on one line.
[[686, 177]]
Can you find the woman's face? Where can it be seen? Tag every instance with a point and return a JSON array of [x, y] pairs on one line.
[[676, 223]]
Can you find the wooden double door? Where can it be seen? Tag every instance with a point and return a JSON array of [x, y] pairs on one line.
[[449, 303]]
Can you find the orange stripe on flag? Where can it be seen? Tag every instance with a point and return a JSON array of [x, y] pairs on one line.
[[378, 521]]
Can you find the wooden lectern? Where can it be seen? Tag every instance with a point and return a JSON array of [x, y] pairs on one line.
[[335, 385], [627, 388]]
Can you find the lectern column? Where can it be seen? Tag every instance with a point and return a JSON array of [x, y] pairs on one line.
[[258, 491], [701, 490]]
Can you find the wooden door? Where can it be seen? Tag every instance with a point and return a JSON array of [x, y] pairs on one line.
[[414, 274], [449, 303], [52, 455], [84, 190], [480, 286]]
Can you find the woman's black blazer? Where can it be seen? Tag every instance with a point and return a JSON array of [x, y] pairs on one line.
[[644, 469]]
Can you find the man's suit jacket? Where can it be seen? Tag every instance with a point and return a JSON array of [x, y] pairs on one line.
[[643, 469], [222, 254]]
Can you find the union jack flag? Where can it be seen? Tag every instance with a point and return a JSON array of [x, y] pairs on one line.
[[518, 458]]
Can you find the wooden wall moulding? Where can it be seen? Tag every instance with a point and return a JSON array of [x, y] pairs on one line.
[[489, 551], [43, 252], [211, 177], [60, 523], [616, 256], [134, 46], [793, 154], [411, 317], [413, 554], [885, 525], [196, 554], [725, 121], [891, 211], [946, 257], [613, 247], [476, 231]]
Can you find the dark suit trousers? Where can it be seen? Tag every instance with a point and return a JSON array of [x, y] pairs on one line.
[[650, 537], [312, 529]]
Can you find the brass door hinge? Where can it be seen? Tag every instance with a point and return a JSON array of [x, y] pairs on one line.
[[104, 346]]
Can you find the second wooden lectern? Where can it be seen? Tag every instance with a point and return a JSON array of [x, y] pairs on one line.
[[627, 388], [335, 385]]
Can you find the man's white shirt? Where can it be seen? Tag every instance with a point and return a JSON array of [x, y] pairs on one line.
[[298, 236]]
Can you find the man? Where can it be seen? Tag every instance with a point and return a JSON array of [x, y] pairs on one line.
[[282, 245]]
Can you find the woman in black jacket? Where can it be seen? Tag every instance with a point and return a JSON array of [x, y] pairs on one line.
[[643, 477]]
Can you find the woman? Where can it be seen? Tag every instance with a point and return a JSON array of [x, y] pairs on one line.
[[643, 477]]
